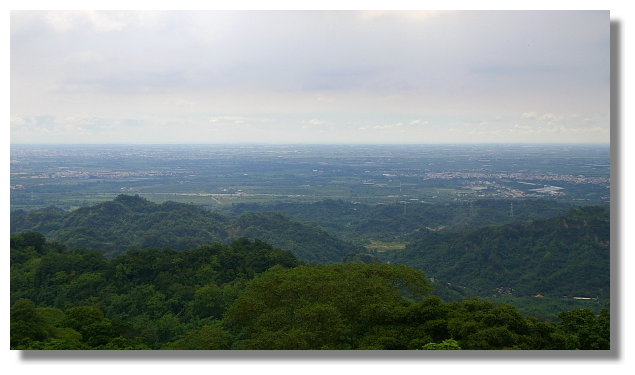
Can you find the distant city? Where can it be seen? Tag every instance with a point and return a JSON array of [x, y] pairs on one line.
[[70, 176]]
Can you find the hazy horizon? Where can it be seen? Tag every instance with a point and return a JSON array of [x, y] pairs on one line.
[[310, 77], [320, 144]]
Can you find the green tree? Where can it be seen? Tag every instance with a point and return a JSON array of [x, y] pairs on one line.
[[584, 330], [27, 326], [448, 344], [316, 307], [208, 301], [209, 337]]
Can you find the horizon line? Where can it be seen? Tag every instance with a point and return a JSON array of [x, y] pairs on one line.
[[307, 144]]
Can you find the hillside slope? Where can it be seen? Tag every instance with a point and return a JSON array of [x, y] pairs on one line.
[[358, 222], [301, 239], [132, 222], [127, 222], [567, 255]]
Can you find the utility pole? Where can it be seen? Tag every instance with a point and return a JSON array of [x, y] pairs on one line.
[[511, 208]]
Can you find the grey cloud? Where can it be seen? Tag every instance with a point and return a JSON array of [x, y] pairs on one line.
[[308, 63], [317, 50]]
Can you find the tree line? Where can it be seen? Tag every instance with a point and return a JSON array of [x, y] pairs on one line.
[[250, 295]]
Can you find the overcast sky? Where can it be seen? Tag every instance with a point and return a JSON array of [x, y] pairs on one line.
[[310, 77]]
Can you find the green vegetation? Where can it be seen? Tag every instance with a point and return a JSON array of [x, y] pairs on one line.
[[322, 307], [258, 264], [63, 299], [362, 223], [448, 344], [558, 257], [218, 176], [309, 243], [249, 295], [548, 308], [567, 255], [128, 222], [380, 246], [132, 222]]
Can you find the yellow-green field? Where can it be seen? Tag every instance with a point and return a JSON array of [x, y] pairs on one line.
[[381, 246]]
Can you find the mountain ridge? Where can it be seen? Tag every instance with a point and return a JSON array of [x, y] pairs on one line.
[[132, 222], [564, 255]]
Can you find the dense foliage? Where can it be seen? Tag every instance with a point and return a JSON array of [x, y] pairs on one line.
[[567, 255], [321, 307], [132, 222], [143, 297], [249, 295], [308, 243], [321, 232], [360, 222], [128, 222]]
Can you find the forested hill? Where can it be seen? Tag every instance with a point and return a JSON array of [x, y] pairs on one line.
[[308, 243], [248, 295], [132, 222], [127, 222], [567, 255], [358, 222]]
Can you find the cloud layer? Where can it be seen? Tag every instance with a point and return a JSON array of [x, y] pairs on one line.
[[310, 76]]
